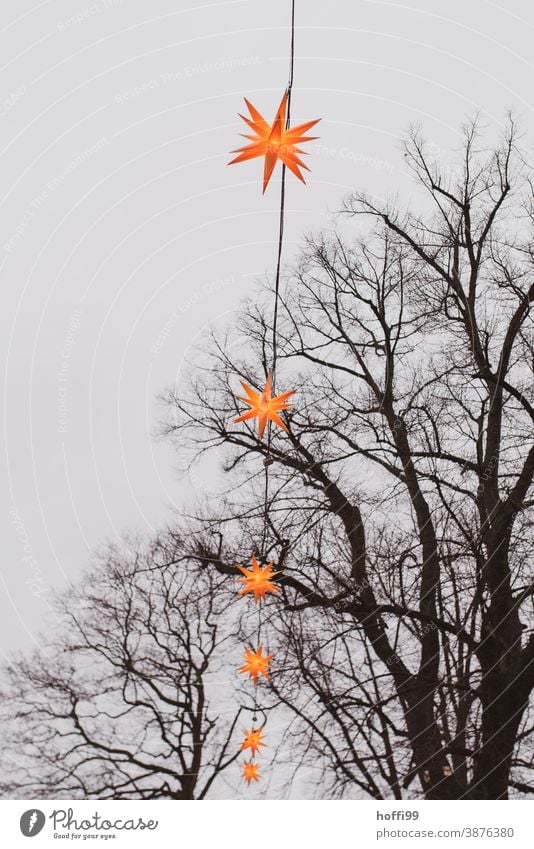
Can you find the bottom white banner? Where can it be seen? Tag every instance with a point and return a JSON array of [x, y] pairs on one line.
[[347, 824]]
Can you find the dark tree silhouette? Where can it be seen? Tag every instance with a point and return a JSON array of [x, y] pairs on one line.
[[400, 516], [401, 500], [120, 704]]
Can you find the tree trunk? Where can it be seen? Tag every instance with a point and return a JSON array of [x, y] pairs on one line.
[[504, 688], [504, 698]]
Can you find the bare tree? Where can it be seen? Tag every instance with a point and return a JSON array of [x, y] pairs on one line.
[[401, 500], [123, 703]]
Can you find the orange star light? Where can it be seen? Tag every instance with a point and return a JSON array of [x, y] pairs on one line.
[[253, 740], [256, 663], [274, 142], [264, 407], [257, 580], [251, 772]]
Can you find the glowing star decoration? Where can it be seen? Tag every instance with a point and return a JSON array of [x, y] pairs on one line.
[[253, 741], [251, 772], [264, 407], [257, 580], [274, 141], [256, 663]]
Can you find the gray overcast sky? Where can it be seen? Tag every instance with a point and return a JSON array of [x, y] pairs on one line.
[[123, 234]]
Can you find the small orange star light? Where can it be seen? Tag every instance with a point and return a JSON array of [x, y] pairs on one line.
[[264, 407], [251, 772], [253, 740], [274, 141], [257, 580], [256, 663]]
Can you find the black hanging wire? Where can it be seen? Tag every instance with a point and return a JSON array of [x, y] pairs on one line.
[[268, 459], [283, 199]]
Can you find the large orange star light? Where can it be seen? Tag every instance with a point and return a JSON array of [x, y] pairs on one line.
[[251, 772], [264, 407], [257, 580], [253, 741], [274, 141], [256, 663]]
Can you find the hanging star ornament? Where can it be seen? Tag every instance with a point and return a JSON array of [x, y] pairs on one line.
[[256, 663], [257, 580], [274, 142], [253, 741], [264, 407], [251, 772]]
